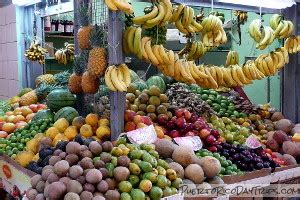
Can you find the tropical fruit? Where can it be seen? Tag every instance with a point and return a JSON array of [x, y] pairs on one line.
[[60, 98], [69, 113], [84, 31]]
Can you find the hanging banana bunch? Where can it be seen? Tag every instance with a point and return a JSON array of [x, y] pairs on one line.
[[242, 16], [117, 78], [193, 50], [263, 35], [292, 44], [36, 52], [66, 54], [282, 28]]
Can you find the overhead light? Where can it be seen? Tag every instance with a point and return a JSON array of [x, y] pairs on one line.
[[25, 2], [274, 4]]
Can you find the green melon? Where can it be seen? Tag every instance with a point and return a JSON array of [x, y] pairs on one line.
[[68, 113], [134, 76], [167, 79], [141, 85], [157, 81], [60, 98], [43, 114]]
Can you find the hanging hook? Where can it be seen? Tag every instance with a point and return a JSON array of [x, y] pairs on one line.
[[212, 5]]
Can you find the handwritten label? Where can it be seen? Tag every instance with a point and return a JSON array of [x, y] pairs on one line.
[[191, 141], [146, 135], [252, 142]]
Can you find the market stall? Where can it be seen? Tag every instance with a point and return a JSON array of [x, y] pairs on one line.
[[154, 102]]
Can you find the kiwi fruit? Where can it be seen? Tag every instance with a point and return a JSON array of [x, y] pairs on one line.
[[150, 109], [163, 98], [130, 97]]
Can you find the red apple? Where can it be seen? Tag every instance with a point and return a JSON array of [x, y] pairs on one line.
[[215, 133], [171, 125], [162, 119], [190, 133], [199, 125], [204, 133], [194, 117], [212, 149], [146, 120], [210, 139], [180, 122], [187, 114], [129, 115], [137, 119], [189, 126], [129, 126], [173, 118], [34, 108], [179, 113], [174, 133]]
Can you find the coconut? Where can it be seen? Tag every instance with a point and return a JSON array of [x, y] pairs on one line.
[[284, 125], [277, 116]]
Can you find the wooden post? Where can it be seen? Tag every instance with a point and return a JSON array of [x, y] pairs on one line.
[[290, 76], [117, 99]]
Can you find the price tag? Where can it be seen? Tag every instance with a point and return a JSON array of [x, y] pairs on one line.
[[146, 135], [252, 142], [193, 142]]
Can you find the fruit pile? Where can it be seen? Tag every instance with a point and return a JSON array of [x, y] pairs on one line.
[[242, 105], [77, 170], [18, 118], [149, 102], [246, 159], [181, 97], [19, 139], [134, 121], [229, 130], [220, 104], [227, 167]]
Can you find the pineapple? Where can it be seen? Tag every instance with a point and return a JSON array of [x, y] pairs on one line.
[[90, 83], [83, 34], [74, 84], [45, 78], [34, 96], [97, 58]]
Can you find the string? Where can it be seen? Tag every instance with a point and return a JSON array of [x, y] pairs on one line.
[[212, 5]]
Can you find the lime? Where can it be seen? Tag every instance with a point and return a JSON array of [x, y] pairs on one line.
[[216, 155], [204, 97], [222, 170], [14, 150], [228, 172], [224, 163], [209, 101], [27, 139], [20, 147], [229, 162], [232, 108]]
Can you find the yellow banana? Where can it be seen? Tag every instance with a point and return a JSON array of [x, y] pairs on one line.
[[119, 84], [137, 45], [177, 67], [171, 57], [280, 59], [168, 6], [142, 19], [130, 38], [265, 67], [241, 75], [220, 78], [163, 54], [228, 80], [213, 73], [123, 6], [285, 29], [200, 73], [235, 76], [180, 27], [155, 21], [126, 74], [150, 54], [185, 16], [157, 54], [210, 79], [271, 65], [107, 78], [197, 26], [111, 5], [247, 72], [177, 13]]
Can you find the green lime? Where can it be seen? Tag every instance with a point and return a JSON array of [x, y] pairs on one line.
[[228, 172], [229, 162], [224, 163], [204, 97], [209, 101], [27, 139], [222, 170], [216, 155]]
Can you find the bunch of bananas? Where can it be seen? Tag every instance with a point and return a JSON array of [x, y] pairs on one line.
[[232, 58], [160, 14], [193, 50], [218, 14], [282, 28], [36, 52], [263, 35], [66, 54], [184, 20], [213, 33], [117, 78], [251, 72], [121, 5], [292, 44], [242, 16], [270, 63], [132, 41]]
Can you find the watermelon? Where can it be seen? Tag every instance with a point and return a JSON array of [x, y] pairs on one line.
[[157, 81], [60, 98], [134, 76], [140, 85], [43, 114], [69, 113]]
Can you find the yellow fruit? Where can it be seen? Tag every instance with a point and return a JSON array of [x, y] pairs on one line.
[[86, 130], [52, 132], [32, 145], [59, 137], [62, 124], [103, 132], [91, 119], [71, 132], [36, 157], [103, 122], [24, 157], [159, 132]]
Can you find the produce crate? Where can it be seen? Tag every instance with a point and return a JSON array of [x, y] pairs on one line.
[[251, 177]]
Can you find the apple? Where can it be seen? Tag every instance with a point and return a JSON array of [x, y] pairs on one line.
[[210, 139], [179, 113], [1, 124], [162, 119], [204, 133], [199, 125], [33, 107], [187, 114], [173, 118], [180, 122], [20, 124], [170, 125], [146, 120], [174, 133], [189, 126], [41, 106], [190, 133], [215, 133], [129, 126], [129, 115], [137, 119], [194, 117], [212, 149]]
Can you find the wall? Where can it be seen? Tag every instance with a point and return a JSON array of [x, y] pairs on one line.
[[9, 80]]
